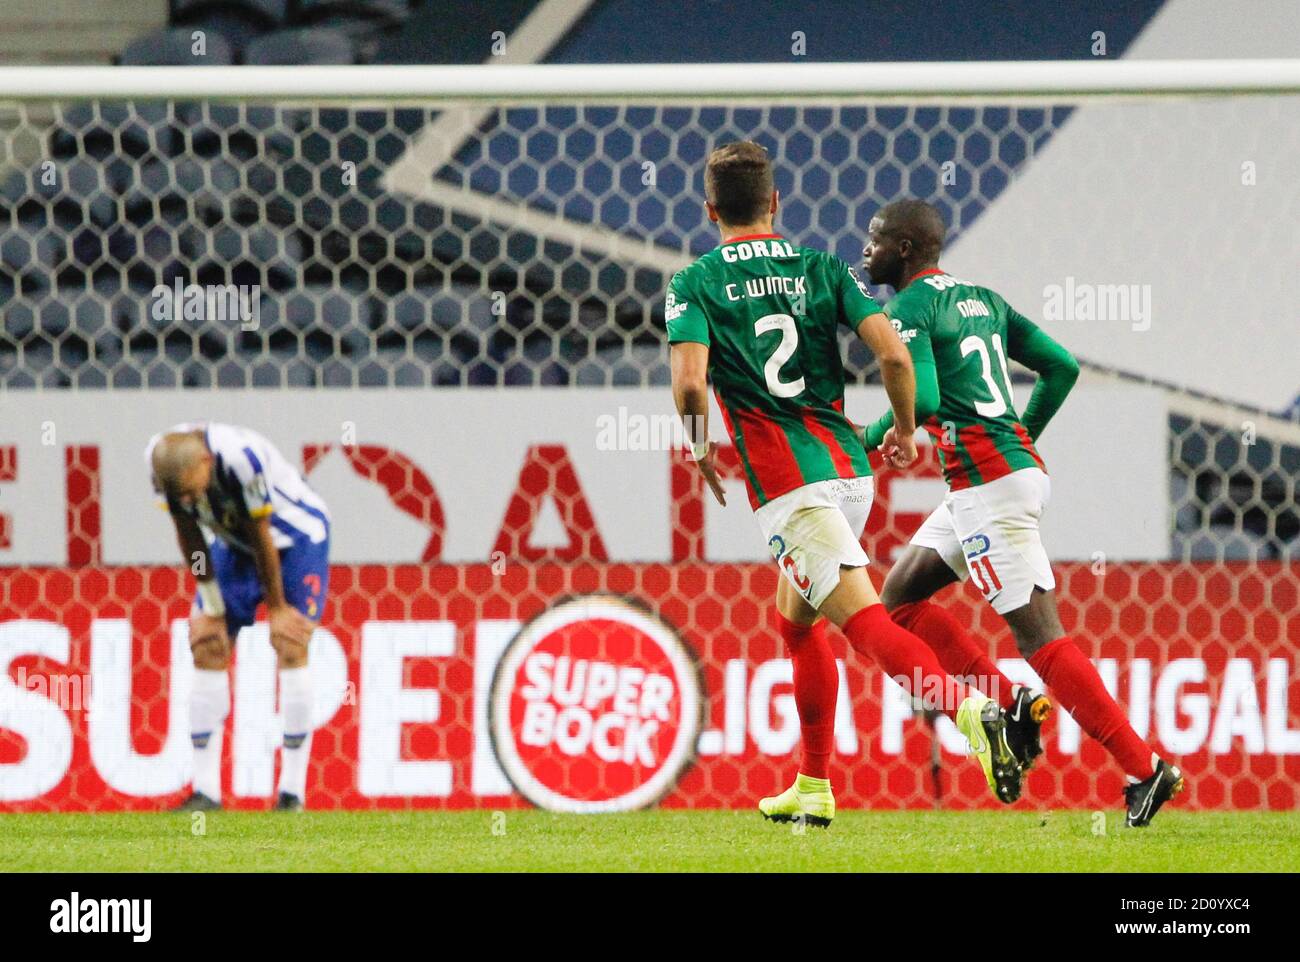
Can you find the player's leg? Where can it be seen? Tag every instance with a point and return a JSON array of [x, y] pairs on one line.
[[1075, 682], [816, 677], [814, 534], [816, 685], [982, 721], [209, 707], [856, 608], [1006, 554], [803, 632], [931, 562], [211, 642], [824, 538], [304, 571], [999, 528]]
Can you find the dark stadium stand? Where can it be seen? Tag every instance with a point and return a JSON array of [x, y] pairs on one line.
[[174, 47], [318, 45]]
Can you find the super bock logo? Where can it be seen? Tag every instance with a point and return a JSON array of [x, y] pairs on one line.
[[595, 707]]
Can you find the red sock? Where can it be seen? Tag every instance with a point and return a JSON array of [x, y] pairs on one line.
[[1074, 681], [957, 651], [816, 685], [904, 657]]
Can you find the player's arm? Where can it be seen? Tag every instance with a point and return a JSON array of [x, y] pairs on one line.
[[291, 630], [688, 361], [266, 557], [927, 387], [869, 322], [899, 376], [256, 493], [194, 549], [1056, 368]]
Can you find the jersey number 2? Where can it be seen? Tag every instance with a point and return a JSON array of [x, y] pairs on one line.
[[784, 351]]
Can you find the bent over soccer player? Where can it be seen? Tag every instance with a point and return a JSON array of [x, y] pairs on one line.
[[987, 525], [762, 316], [252, 530]]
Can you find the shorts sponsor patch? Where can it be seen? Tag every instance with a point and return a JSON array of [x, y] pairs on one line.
[[791, 562], [975, 546]]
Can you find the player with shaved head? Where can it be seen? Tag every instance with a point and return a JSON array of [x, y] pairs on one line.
[[961, 336], [251, 530]]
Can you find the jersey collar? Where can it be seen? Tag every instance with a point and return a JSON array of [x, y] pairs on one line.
[[750, 237], [925, 273]]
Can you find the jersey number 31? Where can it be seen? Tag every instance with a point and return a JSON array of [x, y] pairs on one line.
[[974, 344]]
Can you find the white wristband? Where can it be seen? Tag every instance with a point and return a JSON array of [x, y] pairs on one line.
[[699, 451], [210, 597]]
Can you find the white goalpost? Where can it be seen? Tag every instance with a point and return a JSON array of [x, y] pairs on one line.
[[504, 83]]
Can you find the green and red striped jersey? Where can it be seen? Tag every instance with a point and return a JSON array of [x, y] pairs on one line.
[[968, 332], [770, 313]]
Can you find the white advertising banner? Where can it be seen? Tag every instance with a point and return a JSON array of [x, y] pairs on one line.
[[441, 474]]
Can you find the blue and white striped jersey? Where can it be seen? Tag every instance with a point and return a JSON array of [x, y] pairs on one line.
[[250, 479]]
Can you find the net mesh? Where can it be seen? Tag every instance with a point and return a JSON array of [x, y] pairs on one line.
[[449, 246]]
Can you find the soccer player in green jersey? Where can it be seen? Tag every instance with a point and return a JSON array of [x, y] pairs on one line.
[[761, 316], [961, 335]]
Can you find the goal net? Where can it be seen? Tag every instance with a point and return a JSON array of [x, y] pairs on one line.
[[390, 272]]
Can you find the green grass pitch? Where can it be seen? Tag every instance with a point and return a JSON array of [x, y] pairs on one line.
[[653, 841]]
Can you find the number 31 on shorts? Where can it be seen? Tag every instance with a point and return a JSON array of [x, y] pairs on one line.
[[976, 550]]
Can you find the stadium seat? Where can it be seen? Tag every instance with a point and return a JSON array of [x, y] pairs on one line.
[[83, 129], [270, 11], [325, 11], [238, 21], [1241, 545], [36, 366], [319, 45], [392, 365], [38, 253], [279, 368], [363, 22], [634, 364], [174, 48], [92, 321]]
